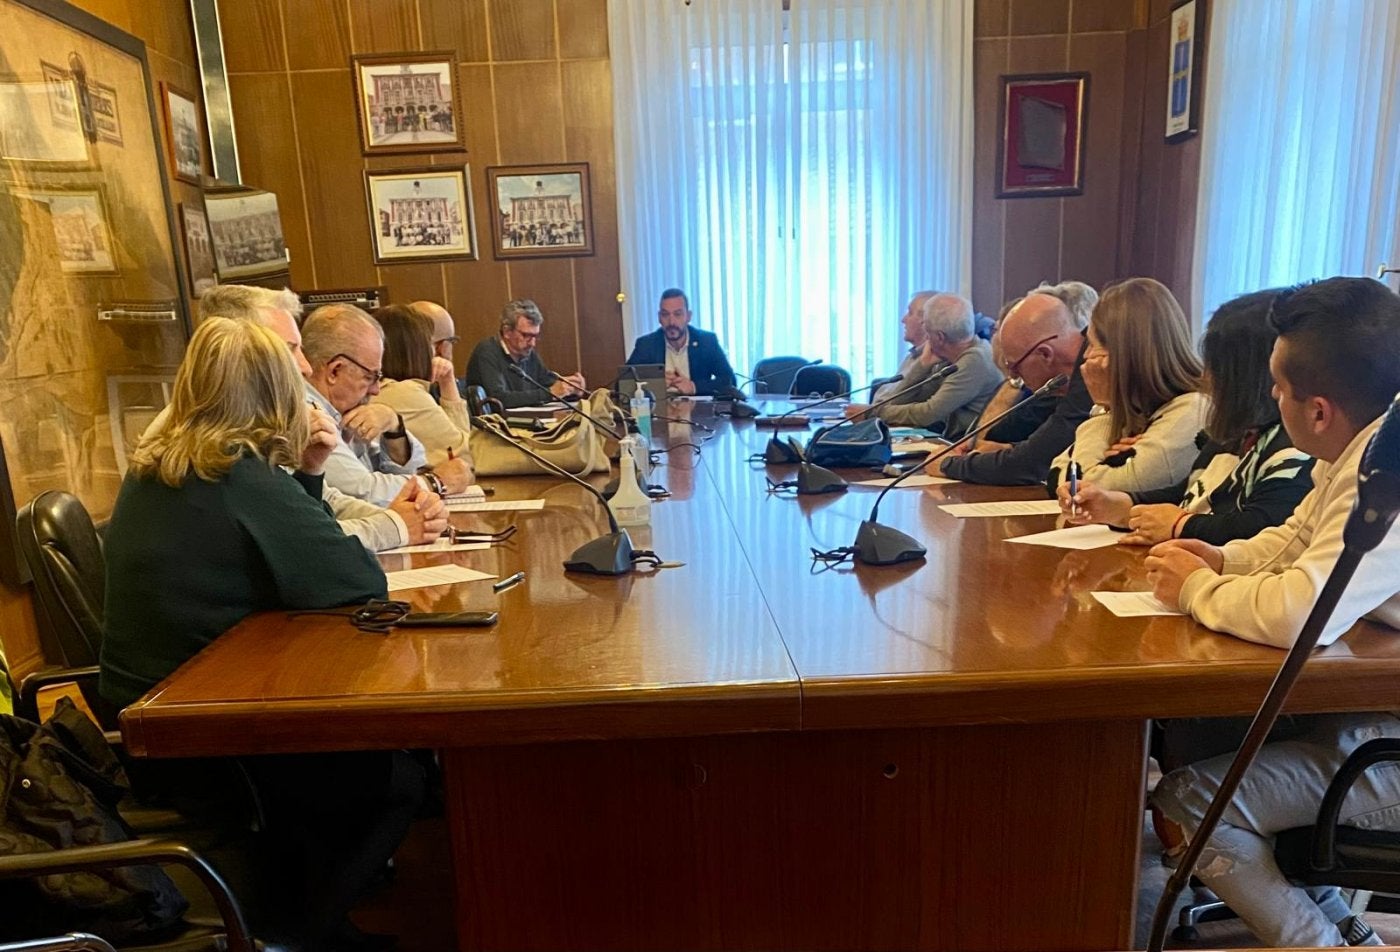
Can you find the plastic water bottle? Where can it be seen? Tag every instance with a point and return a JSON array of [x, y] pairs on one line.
[[641, 411], [642, 451], [630, 506]]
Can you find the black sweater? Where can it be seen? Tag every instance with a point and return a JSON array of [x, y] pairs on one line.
[[185, 565], [489, 368]]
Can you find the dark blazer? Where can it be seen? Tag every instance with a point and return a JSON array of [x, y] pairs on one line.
[[709, 367]]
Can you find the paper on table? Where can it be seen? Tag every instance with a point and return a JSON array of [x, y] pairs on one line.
[[1021, 507], [1134, 604], [466, 495], [433, 575], [923, 479], [440, 545], [917, 446], [494, 505], [1075, 537]]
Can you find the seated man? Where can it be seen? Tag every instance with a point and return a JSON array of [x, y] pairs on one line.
[[374, 456], [444, 336], [491, 360], [695, 361], [1336, 368], [415, 516], [1044, 335], [952, 403], [912, 368]]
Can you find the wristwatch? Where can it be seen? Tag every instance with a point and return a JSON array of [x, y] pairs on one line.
[[433, 480], [396, 434]]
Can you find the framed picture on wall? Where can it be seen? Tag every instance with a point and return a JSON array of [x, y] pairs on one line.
[[199, 249], [540, 211], [182, 134], [1185, 32], [81, 229], [421, 214], [1040, 152], [408, 102], [246, 229]]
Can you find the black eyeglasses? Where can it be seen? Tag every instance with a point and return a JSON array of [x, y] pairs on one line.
[[374, 375], [1013, 371]]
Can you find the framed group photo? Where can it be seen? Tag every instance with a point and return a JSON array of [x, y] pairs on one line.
[[540, 211], [246, 230], [408, 102], [1040, 149], [421, 214], [182, 134]]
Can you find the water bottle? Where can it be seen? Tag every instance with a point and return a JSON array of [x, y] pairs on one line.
[[641, 411], [642, 450], [630, 506]]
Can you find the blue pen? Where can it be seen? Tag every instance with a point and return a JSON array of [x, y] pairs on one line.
[[1074, 473]]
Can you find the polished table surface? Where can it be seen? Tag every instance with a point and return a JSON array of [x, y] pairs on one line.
[[747, 635]]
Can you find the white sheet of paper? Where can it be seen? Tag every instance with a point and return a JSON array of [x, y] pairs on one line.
[[433, 575], [1134, 604], [495, 505], [1023, 507], [923, 479], [466, 495], [1075, 537], [440, 545], [917, 446]]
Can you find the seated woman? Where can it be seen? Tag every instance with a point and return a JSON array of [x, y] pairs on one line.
[[410, 368], [208, 528], [1248, 475], [1143, 377]]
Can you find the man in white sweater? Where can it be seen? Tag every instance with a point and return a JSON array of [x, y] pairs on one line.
[[1336, 367]]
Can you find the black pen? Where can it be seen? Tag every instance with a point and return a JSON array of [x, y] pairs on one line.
[[506, 583]]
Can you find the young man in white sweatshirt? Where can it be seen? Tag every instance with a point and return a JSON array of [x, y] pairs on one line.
[[1336, 368]]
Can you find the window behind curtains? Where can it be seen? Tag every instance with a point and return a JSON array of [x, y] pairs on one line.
[[1300, 168], [799, 174]]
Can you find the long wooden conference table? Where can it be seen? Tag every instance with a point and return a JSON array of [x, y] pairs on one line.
[[749, 753]]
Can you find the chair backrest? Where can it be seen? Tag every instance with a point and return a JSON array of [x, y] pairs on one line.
[[478, 403], [823, 379], [774, 374], [61, 546]]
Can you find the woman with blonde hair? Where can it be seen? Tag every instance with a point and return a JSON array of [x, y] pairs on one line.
[[1143, 376], [208, 528], [410, 369]]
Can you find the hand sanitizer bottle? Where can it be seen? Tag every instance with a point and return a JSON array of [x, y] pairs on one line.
[[630, 506], [641, 411]]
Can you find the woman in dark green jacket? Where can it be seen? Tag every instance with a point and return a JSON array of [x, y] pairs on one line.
[[220, 516]]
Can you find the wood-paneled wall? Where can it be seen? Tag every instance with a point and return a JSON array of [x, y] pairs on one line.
[[1137, 213], [536, 87], [164, 26]]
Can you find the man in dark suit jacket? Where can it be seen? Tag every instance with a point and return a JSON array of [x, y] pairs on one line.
[[695, 362]]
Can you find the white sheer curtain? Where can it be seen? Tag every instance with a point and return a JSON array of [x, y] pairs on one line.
[[1300, 168], [799, 174]]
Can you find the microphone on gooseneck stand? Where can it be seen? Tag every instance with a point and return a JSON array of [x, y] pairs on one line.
[[877, 544], [602, 427], [1372, 515], [740, 408]]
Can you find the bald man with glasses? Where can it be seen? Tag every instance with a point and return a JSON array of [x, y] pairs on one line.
[[1040, 339]]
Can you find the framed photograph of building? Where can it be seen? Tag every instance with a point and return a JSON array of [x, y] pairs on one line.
[[82, 234], [421, 214], [247, 233], [1040, 152], [1186, 31], [199, 249], [408, 102], [182, 134], [540, 211]]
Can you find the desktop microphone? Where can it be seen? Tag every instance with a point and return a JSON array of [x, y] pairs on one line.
[[878, 544], [607, 555], [739, 407], [604, 428], [1372, 515]]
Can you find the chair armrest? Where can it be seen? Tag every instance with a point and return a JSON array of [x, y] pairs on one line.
[[131, 853], [72, 942], [879, 382], [1325, 830], [27, 704]]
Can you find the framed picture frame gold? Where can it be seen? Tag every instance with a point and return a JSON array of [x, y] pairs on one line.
[[408, 102], [422, 214], [541, 211]]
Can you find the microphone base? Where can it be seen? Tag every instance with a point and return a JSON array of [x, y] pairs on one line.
[[778, 453], [742, 411], [877, 544], [607, 555], [818, 480]]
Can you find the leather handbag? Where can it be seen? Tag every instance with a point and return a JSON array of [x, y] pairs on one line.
[[866, 443], [573, 443]]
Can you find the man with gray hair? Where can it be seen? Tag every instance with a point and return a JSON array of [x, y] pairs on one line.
[[1077, 297], [514, 346], [374, 457], [911, 368], [953, 402]]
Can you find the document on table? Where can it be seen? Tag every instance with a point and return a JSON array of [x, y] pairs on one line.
[[922, 479], [474, 492], [1134, 604], [917, 446], [1076, 537], [433, 575], [494, 505], [1024, 507], [440, 545]]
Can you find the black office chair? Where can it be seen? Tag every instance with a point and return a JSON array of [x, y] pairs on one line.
[[775, 374], [478, 403], [823, 379], [1327, 854]]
